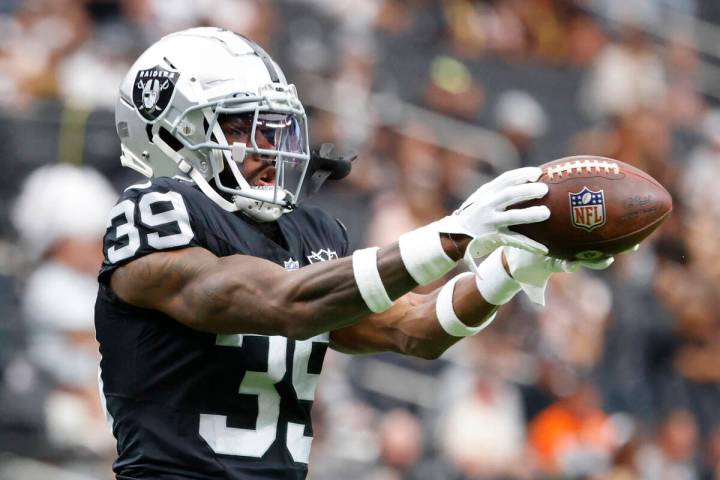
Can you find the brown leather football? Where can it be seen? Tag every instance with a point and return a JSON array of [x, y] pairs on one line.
[[599, 207]]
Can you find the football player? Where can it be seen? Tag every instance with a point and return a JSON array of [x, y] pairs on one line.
[[219, 294]]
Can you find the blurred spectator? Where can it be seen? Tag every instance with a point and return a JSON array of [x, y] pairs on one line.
[[623, 463], [479, 27], [698, 326], [586, 40], [625, 76], [89, 77], [392, 17], [703, 166], [460, 174], [417, 197], [711, 464], [401, 445], [574, 437], [35, 42], [521, 119], [156, 18], [350, 96], [672, 454], [61, 215], [547, 24], [684, 102], [453, 90], [639, 14], [483, 435], [574, 319]]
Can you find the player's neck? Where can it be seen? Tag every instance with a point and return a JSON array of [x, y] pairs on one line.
[[271, 230]]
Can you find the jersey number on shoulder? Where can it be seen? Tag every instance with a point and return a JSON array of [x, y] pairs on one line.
[[256, 442], [177, 215]]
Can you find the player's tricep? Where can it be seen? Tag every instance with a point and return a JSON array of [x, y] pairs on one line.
[[213, 294], [153, 280]]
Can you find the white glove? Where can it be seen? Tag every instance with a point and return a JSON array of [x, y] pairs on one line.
[[484, 217], [532, 270]]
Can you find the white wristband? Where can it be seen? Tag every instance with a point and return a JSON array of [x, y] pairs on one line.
[[368, 280], [446, 315], [423, 255], [493, 281]]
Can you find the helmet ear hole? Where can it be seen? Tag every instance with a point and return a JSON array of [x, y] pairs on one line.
[[170, 139]]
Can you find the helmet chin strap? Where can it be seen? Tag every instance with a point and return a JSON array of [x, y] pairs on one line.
[[258, 209], [255, 208]]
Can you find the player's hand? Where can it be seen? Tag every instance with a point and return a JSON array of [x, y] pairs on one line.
[[485, 215], [533, 270]]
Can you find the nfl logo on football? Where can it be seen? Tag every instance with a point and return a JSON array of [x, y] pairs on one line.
[[587, 209]]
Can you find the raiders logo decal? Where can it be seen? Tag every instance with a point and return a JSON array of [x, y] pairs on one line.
[[153, 90]]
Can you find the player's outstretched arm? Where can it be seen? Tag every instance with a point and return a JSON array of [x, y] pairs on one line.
[[411, 326], [244, 294], [426, 325]]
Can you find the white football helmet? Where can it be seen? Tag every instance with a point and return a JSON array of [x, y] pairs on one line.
[[170, 103]]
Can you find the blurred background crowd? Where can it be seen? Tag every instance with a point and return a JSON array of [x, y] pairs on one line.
[[617, 378]]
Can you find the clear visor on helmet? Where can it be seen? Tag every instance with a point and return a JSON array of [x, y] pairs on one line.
[[257, 145], [274, 152]]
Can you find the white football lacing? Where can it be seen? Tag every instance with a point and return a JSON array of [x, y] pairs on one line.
[[582, 165]]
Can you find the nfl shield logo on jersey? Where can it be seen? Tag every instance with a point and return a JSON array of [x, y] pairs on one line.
[[153, 90], [587, 209], [291, 264]]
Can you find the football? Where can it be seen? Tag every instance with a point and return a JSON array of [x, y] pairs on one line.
[[598, 207]]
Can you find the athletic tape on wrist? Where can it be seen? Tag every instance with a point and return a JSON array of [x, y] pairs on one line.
[[423, 255], [493, 281], [446, 315], [368, 280]]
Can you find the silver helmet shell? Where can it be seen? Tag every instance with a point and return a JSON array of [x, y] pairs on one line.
[[168, 109]]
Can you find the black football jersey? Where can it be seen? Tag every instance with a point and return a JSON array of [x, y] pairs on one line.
[[191, 405]]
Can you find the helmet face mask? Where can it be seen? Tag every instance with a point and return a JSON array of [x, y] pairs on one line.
[[241, 128], [225, 112]]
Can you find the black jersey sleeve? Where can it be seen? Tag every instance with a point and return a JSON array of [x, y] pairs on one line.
[[147, 218], [342, 238]]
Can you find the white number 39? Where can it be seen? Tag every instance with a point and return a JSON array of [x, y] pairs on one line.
[[178, 215]]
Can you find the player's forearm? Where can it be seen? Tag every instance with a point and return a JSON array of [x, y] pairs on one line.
[[422, 336], [325, 296], [411, 327], [300, 304]]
